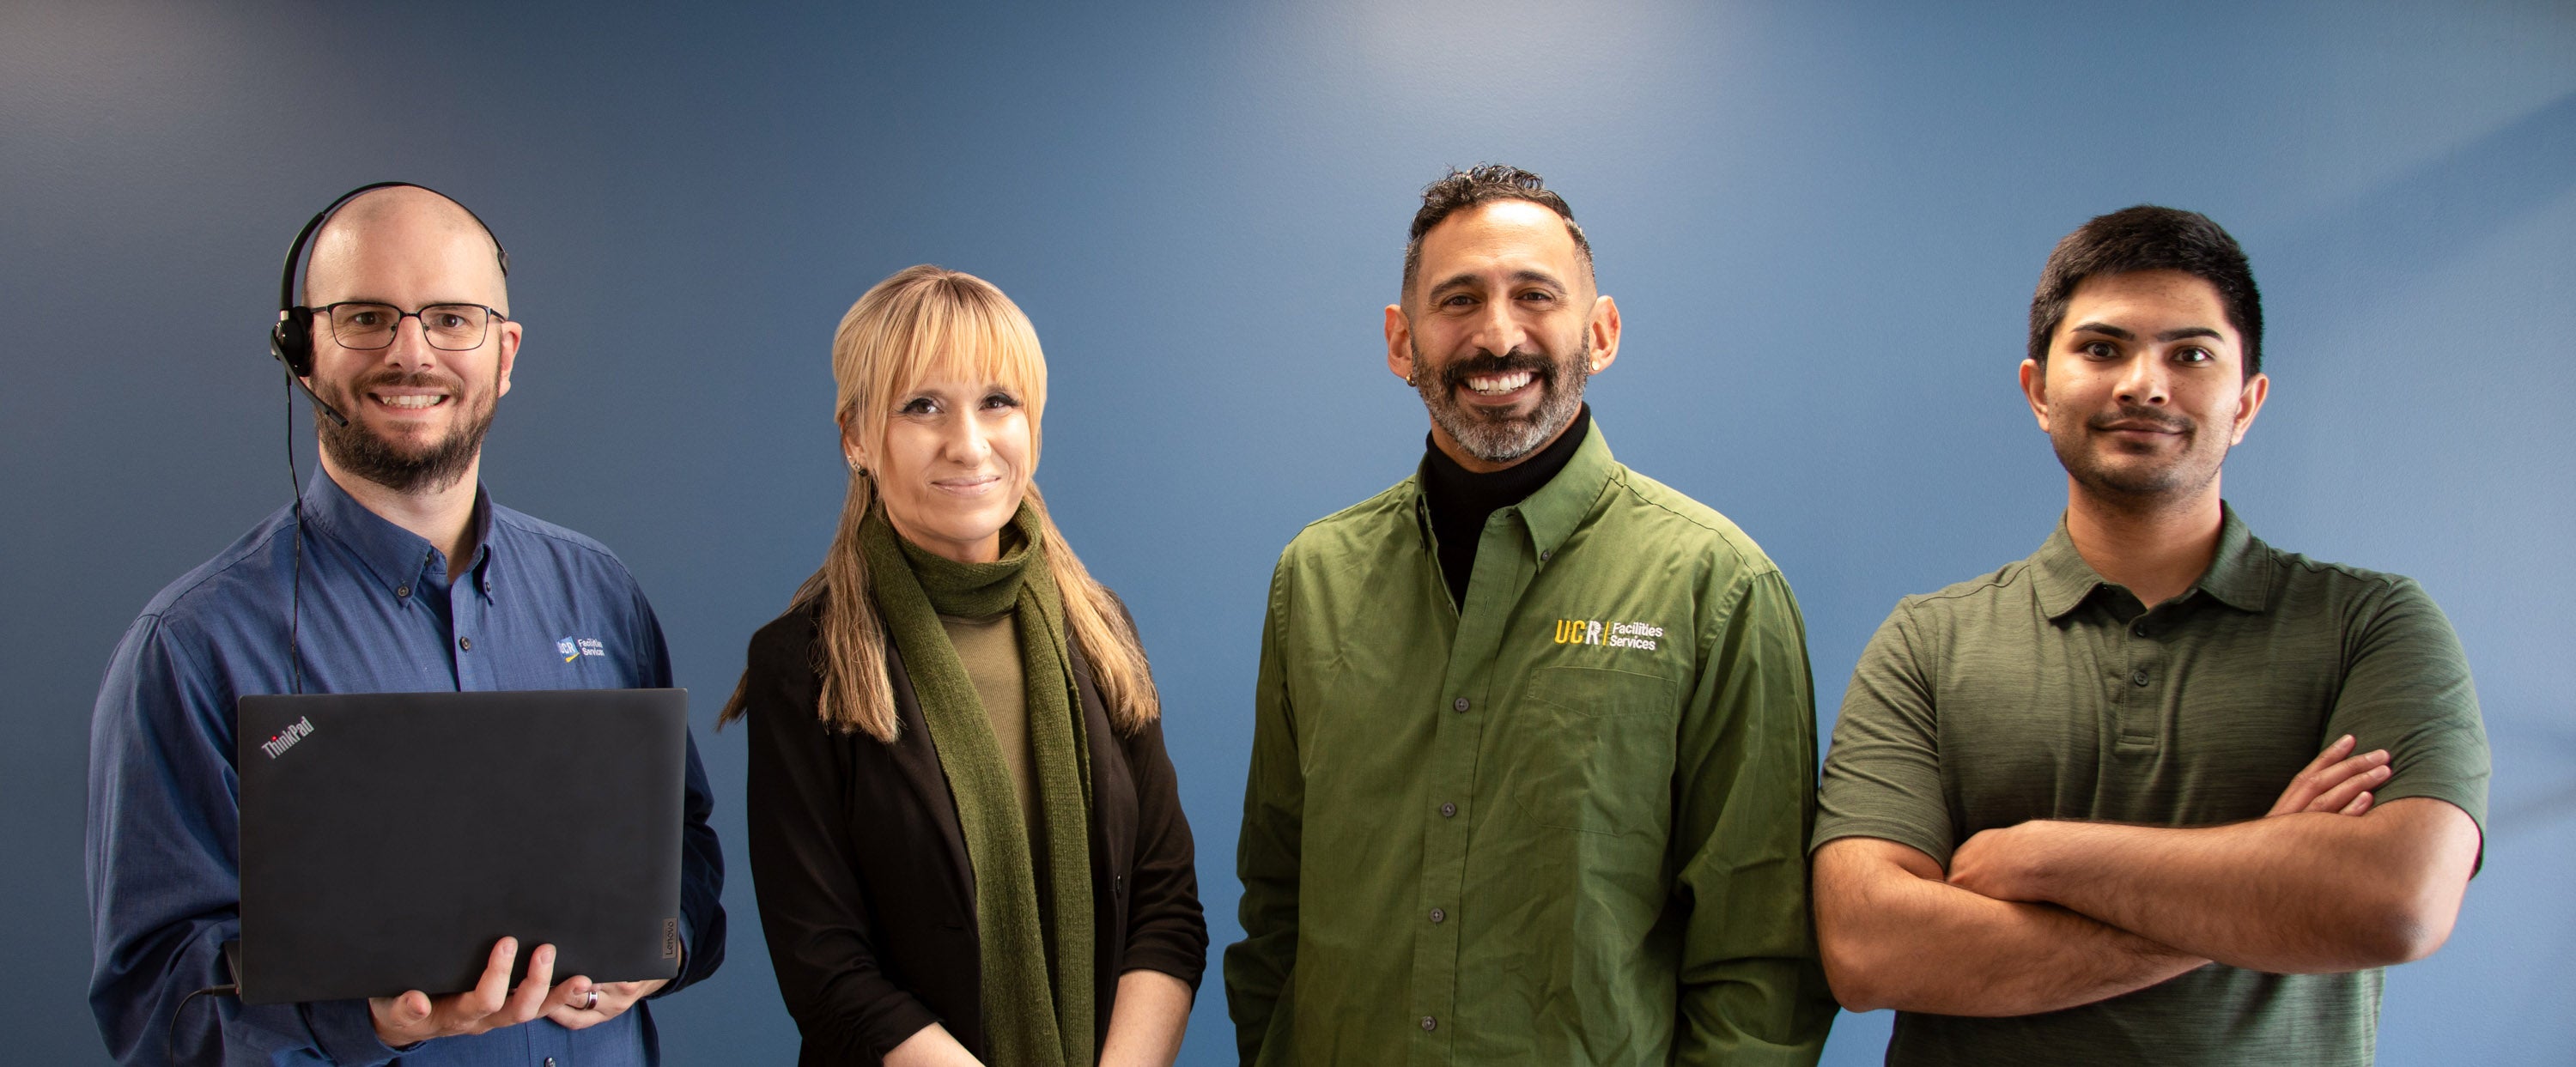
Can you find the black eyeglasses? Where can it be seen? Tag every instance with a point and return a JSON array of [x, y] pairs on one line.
[[364, 325]]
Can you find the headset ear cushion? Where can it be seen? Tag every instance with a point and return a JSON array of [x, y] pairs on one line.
[[291, 341]]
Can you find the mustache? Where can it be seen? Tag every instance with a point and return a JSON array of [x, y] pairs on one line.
[[2132, 417], [1485, 363]]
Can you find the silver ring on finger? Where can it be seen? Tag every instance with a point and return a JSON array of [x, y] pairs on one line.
[[591, 1004]]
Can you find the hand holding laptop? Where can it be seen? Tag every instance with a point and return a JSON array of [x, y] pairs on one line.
[[614, 998], [415, 1016]]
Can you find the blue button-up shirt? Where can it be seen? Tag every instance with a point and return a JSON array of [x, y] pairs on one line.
[[541, 607]]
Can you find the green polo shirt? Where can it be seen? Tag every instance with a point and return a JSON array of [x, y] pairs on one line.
[[1562, 825], [2042, 691]]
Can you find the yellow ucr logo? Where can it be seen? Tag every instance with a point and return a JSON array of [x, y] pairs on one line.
[[1578, 632]]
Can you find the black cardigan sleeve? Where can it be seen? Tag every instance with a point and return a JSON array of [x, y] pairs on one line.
[[1166, 931], [814, 912]]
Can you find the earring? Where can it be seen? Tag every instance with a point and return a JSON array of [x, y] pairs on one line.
[[854, 463]]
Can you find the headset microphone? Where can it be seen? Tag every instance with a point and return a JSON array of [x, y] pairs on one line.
[[277, 346]]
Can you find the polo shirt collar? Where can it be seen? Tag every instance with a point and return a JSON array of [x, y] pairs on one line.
[[2236, 576], [2241, 575], [395, 556]]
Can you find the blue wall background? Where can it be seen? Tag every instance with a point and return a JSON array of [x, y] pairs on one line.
[[1822, 222]]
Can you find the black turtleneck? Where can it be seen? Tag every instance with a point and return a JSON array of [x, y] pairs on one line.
[[1461, 500]]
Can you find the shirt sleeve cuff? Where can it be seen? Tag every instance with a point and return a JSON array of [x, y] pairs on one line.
[[347, 1033]]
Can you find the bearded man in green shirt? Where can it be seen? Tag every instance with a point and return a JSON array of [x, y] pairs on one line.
[[2065, 819], [1533, 766]]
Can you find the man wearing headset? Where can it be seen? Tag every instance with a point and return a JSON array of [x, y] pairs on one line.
[[409, 579]]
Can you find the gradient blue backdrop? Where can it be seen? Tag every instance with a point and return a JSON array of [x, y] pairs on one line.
[[1822, 222]]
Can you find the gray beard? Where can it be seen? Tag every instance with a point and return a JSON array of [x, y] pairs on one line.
[[366, 455], [1505, 439]]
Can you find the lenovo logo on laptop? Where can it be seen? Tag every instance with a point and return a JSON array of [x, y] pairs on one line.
[[670, 939], [286, 738]]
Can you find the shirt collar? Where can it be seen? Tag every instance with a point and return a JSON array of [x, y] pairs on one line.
[[1555, 509], [2236, 576], [1559, 506], [2241, 575], [396, 556]]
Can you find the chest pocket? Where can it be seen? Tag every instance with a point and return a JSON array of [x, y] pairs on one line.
[[1599, 755]]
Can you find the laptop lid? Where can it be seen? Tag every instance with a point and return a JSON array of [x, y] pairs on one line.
[[388, 839]]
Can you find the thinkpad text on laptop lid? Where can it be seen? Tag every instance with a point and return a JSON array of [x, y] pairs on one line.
[[388, 839]]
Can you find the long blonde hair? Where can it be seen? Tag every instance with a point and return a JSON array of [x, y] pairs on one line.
[[904, 329]]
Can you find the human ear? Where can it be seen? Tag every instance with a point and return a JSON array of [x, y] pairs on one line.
[[1605, 335], [511, 332], [2034, 388], [1399, 342], [2249, 404]]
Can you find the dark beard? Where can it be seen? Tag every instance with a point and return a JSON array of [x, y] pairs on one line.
[[362, 453], [2129, 488], [1507, 439]]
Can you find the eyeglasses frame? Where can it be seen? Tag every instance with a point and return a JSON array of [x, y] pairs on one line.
[[399, 315]]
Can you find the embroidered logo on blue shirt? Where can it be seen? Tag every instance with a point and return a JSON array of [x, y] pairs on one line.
[[573, 648]]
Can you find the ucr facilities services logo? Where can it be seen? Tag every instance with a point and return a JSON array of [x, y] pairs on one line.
[[1639, 635], [573, 648]]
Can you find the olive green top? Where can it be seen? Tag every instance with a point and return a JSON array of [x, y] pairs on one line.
[[990, 649], [1564, 825], [2042, 691]]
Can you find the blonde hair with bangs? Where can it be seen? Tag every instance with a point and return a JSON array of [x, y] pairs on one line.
[[903, 331]]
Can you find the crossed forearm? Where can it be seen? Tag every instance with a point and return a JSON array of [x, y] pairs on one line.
[[2300, 893], [1895, 935]]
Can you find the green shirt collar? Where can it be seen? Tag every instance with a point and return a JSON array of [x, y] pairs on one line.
[[2237, 577], [1556, 508]]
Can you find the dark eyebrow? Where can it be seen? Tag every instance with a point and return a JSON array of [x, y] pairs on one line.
[[1466, 278], [2108, 330]]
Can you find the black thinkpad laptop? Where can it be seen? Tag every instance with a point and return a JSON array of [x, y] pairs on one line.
[[388, 839]]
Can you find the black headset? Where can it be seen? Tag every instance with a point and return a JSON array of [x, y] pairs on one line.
[[291, 340]]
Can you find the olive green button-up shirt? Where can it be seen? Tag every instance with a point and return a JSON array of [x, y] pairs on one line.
[[1562, 825], [2042, 691]]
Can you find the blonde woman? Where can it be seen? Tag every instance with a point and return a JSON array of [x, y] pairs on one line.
[[965, 835]]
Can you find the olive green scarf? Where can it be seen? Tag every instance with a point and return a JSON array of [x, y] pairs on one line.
[[1034, 928]]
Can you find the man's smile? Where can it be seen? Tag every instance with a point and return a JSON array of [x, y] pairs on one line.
[[408, 400]]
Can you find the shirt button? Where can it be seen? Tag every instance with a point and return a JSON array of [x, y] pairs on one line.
[[403, 590], [1459, 704], [2139, 678], [1448, 811], [1542, 555], [1438, 915], [467, 644], [2140, 629], [1428, 1024]]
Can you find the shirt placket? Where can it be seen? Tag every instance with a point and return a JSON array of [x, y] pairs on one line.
[[2137, 681], [1466, 691], [470, 617]]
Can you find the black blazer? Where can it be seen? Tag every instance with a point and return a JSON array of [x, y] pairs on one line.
[[865, 891]]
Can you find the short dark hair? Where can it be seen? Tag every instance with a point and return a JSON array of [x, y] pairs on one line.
[[2147, 237], [1484, 184]]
